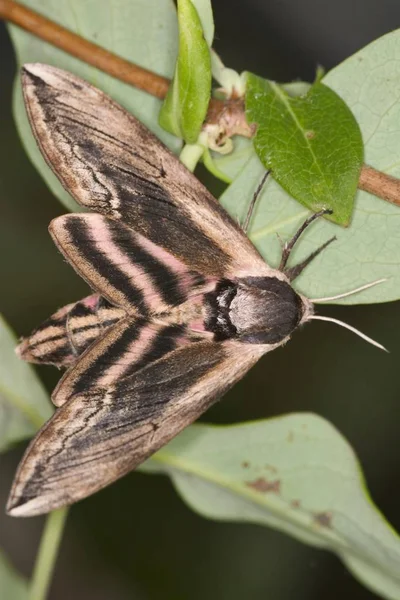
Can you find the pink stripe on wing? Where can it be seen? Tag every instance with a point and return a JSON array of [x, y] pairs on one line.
[[133, 354], [91, 301], [136, 274], [177, 266], [187, 279]]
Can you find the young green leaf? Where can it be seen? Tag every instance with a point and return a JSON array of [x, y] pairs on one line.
[[370, 248], [185, 106], [311, 143], [24, 404], [12, 585], [143, 32], [205, 13], [295, 473]]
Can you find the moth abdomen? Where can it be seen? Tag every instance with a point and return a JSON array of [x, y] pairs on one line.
[[62, 338]]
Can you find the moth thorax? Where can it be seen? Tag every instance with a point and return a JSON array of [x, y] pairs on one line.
[[265, 310]]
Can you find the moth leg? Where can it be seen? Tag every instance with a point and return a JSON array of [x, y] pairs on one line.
[[252, 204], [295, 271], [288, 247]]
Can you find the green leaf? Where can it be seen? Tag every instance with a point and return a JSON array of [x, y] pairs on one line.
[[12, 585], [295, 473], [141, 31], [205, 13], [311, 143], [370, 248], [24, 404], [185, 106]]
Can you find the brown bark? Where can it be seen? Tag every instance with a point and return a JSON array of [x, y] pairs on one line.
[[380, 184]]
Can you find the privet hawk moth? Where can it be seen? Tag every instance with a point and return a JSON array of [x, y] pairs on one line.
[[183, 304]]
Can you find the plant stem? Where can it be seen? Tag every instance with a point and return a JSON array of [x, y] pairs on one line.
[[77, 46], [47, 554], [380, 184], [229, 113]]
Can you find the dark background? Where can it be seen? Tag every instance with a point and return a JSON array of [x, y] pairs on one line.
[[136, 539]]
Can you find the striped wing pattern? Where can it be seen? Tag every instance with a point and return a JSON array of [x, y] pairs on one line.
[[123, 266], [64, 336], [103, 433], [125, 349], [113, 165], [141, 366]]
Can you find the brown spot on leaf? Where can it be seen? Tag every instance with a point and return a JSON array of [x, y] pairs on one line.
[[245, 464], [323, 518], [295, 503], [310, 134], [264, 486]]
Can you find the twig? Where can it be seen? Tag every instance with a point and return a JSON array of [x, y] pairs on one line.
[[380, 184], [83, 49], [228, 114], [88, 52]]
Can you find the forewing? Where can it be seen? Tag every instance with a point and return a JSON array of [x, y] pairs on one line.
[[113, 165], [123, 266], [102, 434]]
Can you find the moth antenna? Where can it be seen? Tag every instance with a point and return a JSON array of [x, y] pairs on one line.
[[353, 329], [350, 293], [252, 204], [288, 247], [295, 271]]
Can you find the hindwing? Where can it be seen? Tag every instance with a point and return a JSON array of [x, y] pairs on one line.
[[62, 338]]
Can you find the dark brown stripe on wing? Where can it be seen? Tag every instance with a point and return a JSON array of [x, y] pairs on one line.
[[62, 338], [85, 324], [163, 278], [111, 356], [176, 232], [165, 341], [81, 237], [171, 379]]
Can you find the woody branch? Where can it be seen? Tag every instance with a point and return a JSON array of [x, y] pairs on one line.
[[229, 114]]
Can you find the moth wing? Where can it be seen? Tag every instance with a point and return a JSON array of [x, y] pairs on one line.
[[113, 165], [62, 338], [122, 265], [125, 349], [100, 435]]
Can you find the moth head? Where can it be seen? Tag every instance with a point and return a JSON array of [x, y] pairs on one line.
[[266, 310]]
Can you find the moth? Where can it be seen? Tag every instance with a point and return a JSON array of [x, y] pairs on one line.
[[183, 305]]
